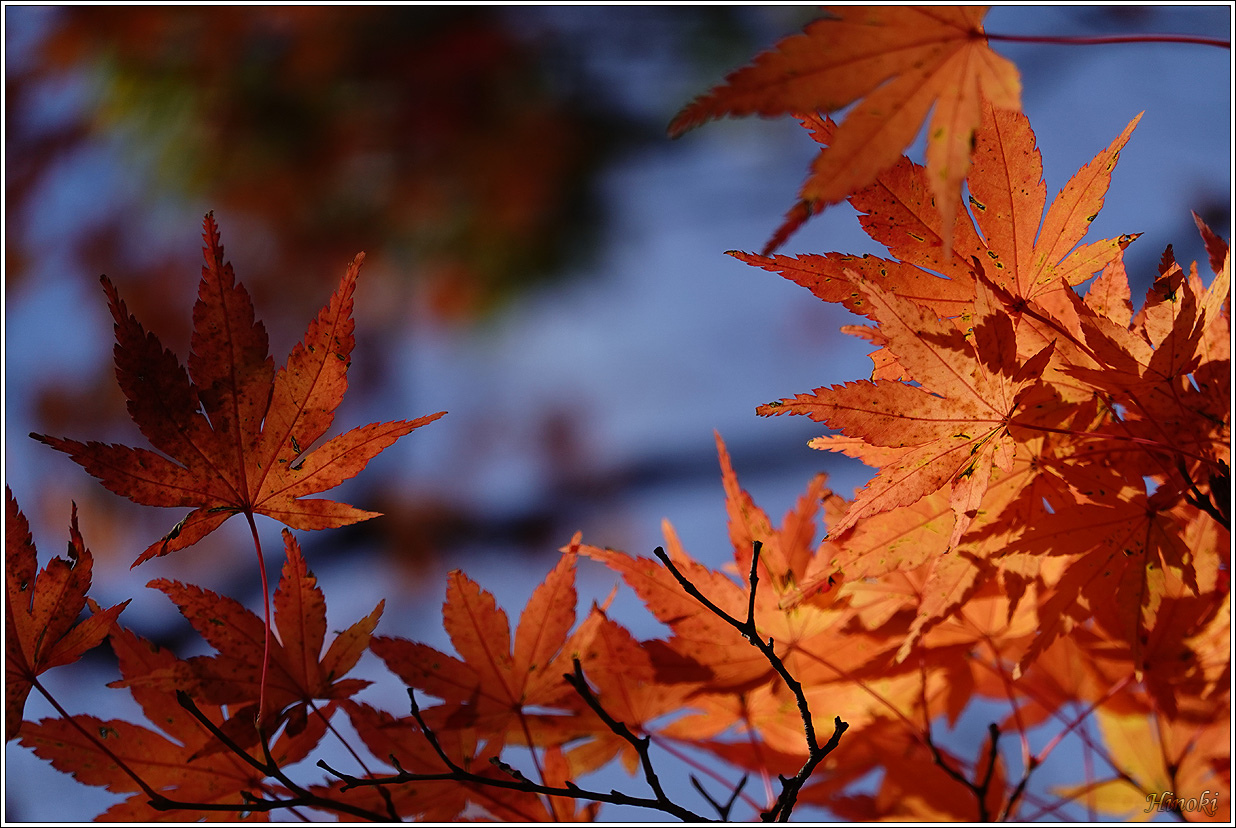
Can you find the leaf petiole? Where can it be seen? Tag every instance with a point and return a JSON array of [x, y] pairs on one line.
[[1104, 40]]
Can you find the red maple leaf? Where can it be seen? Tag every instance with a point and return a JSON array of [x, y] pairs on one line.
[[40, 613], [298, 672], [239, 434], [1009, 202], [181, 760], [1168, 366]]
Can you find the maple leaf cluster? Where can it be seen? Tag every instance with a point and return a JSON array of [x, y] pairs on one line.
[[1047, 529], [243, 440], [1049, 516], [205, 754]]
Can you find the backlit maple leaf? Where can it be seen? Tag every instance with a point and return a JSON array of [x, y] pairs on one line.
[[951, 429], [493, 684], [1008, 199], [902, 62], [238, 433], [1121, 556], [1165, 365], [299, 671], [40, 613]]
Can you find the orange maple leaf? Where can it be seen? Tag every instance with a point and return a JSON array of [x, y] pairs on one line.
[[40, 613], [1008, 199], [239, 434], [1162, 365], [1008, 196], [1122, 555], [902, 62], [951, 429], [494, 684]]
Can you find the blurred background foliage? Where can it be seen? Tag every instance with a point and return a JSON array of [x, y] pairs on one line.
[[448, 137], [461, 146], [433, 132]]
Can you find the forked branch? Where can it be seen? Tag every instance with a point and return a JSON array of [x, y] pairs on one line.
[[515, 779], [780, 812]]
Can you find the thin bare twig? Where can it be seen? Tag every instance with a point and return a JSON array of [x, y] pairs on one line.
[[723, 811], [516, 782], [816, 753], [270, 768], [640, 744], [1207, 503]]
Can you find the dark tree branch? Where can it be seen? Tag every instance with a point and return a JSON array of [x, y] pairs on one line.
[[519, 782], [979, 789], [1009, 807], [993, 730], [1210, 504], [780, 812], [723, 811], [1106, 40], [641, 744], [269, 768]]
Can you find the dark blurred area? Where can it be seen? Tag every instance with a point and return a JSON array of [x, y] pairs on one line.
[[457, 140], [427, 131], [461, 146]]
